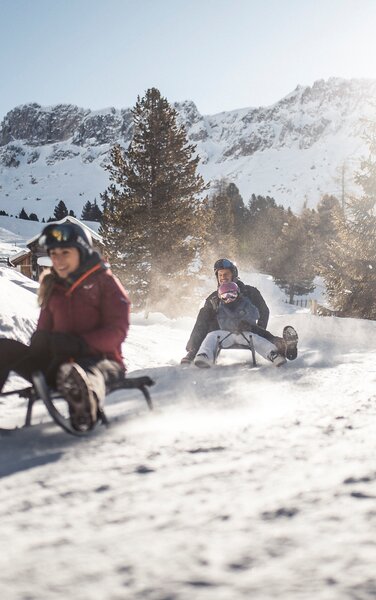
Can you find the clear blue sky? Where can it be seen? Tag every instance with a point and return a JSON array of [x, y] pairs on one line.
[[222, 54]]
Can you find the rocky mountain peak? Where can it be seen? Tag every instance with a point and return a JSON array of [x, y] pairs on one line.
[[36, 125], [292, 150]]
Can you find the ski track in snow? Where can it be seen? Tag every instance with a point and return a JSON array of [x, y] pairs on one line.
[[243, 483]]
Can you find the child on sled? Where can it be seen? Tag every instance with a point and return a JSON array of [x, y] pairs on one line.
[[237, 319]]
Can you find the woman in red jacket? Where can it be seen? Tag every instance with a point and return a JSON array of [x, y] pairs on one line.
[[84, 319]]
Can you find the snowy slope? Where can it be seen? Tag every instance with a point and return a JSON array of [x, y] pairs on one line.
[[244, 483], [305, 145]]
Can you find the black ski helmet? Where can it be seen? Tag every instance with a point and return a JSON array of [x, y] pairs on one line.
[[67, 235], [225, 263]]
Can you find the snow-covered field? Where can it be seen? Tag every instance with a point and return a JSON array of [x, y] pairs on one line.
[[243, 484]]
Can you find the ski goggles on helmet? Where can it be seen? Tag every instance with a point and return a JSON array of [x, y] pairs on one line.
[[55, 235], [229, 297], [228, 292]]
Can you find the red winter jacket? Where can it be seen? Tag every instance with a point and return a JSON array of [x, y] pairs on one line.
[[95, 307]]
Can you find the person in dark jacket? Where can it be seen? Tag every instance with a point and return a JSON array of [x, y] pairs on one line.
[[225, 271], [83, 321], [237, 327]]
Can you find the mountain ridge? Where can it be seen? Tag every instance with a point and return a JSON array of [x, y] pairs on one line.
[[306, 144]]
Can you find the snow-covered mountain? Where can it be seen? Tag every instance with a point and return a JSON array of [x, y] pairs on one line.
[[307, 144]]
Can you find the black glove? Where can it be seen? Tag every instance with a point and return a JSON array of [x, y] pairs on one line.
[[67, 345], [57, 345]]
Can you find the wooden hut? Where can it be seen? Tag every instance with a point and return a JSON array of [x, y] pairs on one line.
[[33, 259]]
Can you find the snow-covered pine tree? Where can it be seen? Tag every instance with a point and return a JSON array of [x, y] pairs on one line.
[[350, 274], [154, 220]]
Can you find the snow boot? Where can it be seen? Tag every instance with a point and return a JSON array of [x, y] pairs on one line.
[[291, 340], [202, 361], [186, 360], [276, 358], [73, 384]]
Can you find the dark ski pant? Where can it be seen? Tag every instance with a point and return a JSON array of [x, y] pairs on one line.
[[103, 374]]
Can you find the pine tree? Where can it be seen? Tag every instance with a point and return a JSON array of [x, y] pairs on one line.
[[350, 274], [259, 204], [322, 222], [91, 212], [227, 219], [86, 211], [23, 215], [153, 219], [262, 226], [292, 266], [96, 213], [60, 211], [326, 210]]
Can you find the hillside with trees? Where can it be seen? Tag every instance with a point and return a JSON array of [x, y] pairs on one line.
[[350, 272]]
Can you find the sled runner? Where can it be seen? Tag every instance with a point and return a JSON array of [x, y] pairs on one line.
[[51, 399], [248, 345]]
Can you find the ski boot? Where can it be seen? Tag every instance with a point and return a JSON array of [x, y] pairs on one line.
[[290, 338], [73, 384], [276, 358], [186, 360], [202, 361]]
